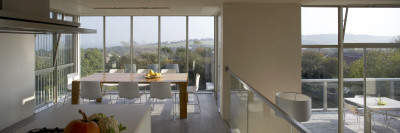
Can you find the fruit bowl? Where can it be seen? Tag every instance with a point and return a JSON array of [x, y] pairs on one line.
[[152, 77]]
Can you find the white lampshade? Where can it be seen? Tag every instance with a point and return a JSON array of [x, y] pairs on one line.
[[296, 105]]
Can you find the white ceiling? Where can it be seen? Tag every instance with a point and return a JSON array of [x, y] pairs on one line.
[[179, 7]]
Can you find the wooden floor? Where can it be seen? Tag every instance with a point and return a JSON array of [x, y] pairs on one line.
[[206, 121], [327, 122]]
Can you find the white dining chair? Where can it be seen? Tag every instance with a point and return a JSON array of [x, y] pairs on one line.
[[162, 90], [129, 90], [90, 90], [128, 68], [164, 71], [143, 70], [141, 85], [154, 67], [112, 84], [116, 71], [168, 70], [70, 77], [173, 66], [194, 89]]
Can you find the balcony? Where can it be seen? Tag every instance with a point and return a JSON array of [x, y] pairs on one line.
[[324, 103]]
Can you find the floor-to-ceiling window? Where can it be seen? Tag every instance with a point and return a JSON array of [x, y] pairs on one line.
[[50, 72], [158, 42], [118, 45], [319, 64], [145, 41], [91, 46], [173, 42], [201, 49], [370, 67]]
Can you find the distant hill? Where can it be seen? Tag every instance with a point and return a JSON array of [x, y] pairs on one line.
[[349, 38], [206, 42]]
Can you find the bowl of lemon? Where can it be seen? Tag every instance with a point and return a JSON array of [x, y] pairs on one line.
[[152, 75]]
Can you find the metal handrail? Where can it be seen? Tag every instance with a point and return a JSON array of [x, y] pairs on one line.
[[277, 110]]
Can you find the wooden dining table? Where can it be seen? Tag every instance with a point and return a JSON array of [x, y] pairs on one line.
[[180, 79]]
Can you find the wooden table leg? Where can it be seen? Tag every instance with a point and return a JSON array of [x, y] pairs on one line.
[[75, 92], [101, 90], [183, 99]]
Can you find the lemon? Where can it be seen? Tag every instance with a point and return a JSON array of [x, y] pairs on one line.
[[148, 75]]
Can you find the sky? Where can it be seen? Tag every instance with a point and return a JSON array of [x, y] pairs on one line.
[[367, 21], [315, 20], [145, 29]]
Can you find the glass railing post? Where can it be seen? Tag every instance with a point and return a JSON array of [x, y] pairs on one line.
[[392, 89], [325, 97]]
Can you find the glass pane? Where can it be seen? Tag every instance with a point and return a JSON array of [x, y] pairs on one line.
[[145, 41], [62, 80], [239, 107], [117, 43], [353, 89], [43, 51], [319, 25], [319, 81], [201, 50], [68, 18], [372, 25], [383, 77], [173, 43], [262, 118], [65, 50], [91, 46]]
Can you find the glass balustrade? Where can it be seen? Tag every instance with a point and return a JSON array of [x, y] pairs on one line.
[[250, 112]]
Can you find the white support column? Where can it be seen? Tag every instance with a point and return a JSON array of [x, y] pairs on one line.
[[77, 49], [131, 47], [340, 72], [215, 57], [187, 44], [104, 43], [159, 43]]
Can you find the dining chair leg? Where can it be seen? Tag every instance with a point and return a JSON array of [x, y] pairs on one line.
[[173, 108], [110, 97], [153, 103], [66, 95], [198, 102], [145, 91], [132, 100]]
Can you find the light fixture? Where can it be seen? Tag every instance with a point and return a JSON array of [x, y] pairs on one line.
[[296, 105]]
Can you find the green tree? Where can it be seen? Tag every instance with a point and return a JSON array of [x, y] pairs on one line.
[[196, 42], [91, 61]]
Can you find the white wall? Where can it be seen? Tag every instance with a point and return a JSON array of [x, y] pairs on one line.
[[262, 45], [17, 82]]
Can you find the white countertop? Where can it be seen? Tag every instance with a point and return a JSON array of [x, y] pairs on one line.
[[133, 117]]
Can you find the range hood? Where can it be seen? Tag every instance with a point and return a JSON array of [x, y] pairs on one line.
[[12, 22]]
